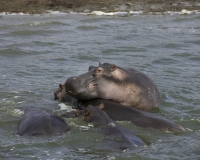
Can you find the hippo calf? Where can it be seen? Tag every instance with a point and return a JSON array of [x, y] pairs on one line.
[[123, 139], [39, 122], [61, 95], [128, 87]]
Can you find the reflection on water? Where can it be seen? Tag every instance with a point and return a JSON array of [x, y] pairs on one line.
[[40, 51]]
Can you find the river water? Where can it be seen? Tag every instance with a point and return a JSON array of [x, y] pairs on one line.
[[37, 52]]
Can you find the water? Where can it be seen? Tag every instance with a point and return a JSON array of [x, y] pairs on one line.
[[38, 52]]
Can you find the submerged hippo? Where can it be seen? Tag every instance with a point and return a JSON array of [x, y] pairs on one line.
[[123, 139], [107, 81], [119, 112], [39, 122]]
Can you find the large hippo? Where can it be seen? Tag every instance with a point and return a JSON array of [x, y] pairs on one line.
[[123, 139], [39, 122], [107, 81], [118, 112]]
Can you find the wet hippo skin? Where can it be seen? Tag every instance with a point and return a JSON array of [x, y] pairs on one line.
[[119, 112], [61, 95], [127, 87], [123, 139], [39, 122], [140, 118]]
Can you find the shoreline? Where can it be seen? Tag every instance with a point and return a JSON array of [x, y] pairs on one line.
[[101, 13], [96, 6]]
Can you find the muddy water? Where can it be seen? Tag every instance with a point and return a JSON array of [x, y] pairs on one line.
[[40, 51]]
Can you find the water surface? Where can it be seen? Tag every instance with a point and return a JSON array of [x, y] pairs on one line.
[[37, 52]]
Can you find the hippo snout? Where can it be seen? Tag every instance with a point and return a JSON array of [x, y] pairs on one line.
[[71, 80], [77, 86], [55, 96], [71, 84]]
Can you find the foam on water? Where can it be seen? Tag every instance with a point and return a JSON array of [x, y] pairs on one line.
[[85, 128], [166, 48], [18, 112], [8, 13], [120, 14], [101, 13], [66, 107], [183, 11]]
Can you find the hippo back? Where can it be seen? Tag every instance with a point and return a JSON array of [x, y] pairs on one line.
[[39, 122]]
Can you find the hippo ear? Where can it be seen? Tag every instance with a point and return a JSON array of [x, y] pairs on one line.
[[101, 105], [60, 86], [113, 68], [99, 63]]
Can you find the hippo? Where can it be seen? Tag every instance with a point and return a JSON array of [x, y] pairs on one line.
[[118, 112], [123, 139], [36, 121], [60, 94], [127, 87]]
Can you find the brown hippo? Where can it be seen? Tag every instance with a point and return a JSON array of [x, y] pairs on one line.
[[61, 95], [119, 112], [123, 139], [128, 87], [39, 122]]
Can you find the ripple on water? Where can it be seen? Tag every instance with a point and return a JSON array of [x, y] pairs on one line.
[[11, 52], [88, 28], [31, 32], [165, 61], [42, 23], [38, 51], [187, 56]]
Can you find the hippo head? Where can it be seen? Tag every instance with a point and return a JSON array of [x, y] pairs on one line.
[[61, 95], [58, 93], [128, 87], [95, 115], [98, 82]]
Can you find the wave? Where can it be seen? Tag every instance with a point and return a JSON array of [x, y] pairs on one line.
[[44, 23]]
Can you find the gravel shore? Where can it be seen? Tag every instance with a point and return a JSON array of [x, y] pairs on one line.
[[146, 6]]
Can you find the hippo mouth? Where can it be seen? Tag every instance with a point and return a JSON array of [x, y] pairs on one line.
[[76, 95], [80, 95], [72, 93]]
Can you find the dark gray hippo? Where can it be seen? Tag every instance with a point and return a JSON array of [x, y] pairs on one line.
[[128, 87], [118, 112], [39, 122], [123, 139]]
